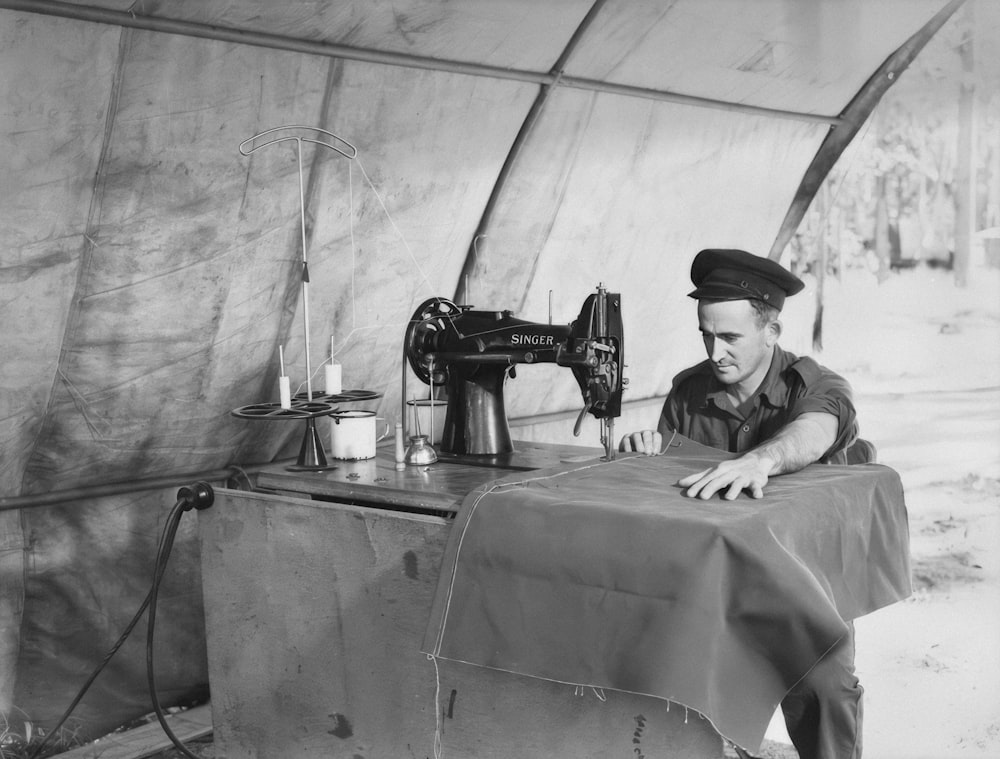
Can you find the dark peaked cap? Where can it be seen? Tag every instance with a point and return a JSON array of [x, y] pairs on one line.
[[737, 275]]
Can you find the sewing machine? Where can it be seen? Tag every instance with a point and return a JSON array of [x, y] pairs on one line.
[[472, 353]]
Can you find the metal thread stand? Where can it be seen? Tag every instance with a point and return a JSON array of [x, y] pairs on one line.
[[312, 454], [280, 134]]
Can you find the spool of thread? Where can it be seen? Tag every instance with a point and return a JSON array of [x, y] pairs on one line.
[[285, 390], [334, 381]]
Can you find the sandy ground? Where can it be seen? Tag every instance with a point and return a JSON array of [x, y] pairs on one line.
[[924, 359]]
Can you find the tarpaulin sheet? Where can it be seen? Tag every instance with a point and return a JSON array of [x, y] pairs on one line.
[[603, 574]]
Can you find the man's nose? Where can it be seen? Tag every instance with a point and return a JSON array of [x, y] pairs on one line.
[[716, 350]]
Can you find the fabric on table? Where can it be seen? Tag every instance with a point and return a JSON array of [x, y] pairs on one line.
[[603, 574]]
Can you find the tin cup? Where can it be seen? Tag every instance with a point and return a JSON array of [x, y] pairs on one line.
[[354, 433]]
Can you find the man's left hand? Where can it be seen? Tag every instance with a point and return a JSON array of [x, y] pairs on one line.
[[748, 473]]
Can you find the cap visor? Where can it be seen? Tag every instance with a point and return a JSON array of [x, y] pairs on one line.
[[717, 291]]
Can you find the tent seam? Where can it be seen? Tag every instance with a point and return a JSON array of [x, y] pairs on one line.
[[89, 244], [524, 132]]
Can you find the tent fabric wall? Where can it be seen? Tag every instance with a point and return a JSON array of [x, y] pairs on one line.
[[69, 623], [150, 271]]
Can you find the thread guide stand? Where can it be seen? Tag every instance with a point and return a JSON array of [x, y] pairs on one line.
[[312, 454], [309, 405]]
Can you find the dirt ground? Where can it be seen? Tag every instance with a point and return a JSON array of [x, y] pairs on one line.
[[924, 359]]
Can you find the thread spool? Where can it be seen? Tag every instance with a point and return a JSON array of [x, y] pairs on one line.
[[284, 386], [285, 391], [334, 378]]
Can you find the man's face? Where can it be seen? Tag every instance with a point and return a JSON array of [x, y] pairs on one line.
[[737, 347]]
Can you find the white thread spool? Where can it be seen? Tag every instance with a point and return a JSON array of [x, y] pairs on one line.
[[284, 386], [334, 372], [334, 378]]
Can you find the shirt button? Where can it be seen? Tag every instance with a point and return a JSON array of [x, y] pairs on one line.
[[746, 427]]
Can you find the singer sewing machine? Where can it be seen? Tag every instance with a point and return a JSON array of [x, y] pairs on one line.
[[472, 353]]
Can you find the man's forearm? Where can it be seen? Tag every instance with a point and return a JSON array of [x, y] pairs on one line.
[[797, 444]]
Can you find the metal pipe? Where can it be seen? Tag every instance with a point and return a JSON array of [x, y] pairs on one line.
[[86, 492], [572, 414], [402, 395], [629, 90], [334, 50]]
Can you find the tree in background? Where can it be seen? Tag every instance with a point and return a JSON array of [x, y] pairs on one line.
[[920, 184]]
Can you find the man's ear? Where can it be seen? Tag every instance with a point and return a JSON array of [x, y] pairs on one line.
[[773, 332]]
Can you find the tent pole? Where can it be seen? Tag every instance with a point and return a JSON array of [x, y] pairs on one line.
[[87, 492], [369, 55]]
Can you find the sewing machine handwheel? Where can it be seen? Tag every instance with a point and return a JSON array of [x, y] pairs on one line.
[[430, 317]]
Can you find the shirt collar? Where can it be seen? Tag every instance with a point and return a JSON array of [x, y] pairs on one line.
[[774, 389]]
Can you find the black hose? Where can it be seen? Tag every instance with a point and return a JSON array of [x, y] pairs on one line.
[[199, 496], [186, 501]]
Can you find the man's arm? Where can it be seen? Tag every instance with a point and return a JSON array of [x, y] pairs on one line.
[[796, 445]]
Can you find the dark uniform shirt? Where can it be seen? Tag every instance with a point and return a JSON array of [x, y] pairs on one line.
[[698, 407]]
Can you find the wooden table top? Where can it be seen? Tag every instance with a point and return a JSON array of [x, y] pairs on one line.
[[437, 487]]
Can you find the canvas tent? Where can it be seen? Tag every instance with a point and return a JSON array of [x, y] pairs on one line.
[[510, 154]]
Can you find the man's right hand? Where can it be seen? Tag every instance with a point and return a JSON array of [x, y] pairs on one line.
[[646, 442]]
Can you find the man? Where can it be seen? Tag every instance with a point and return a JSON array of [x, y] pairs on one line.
[[781, 413]]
